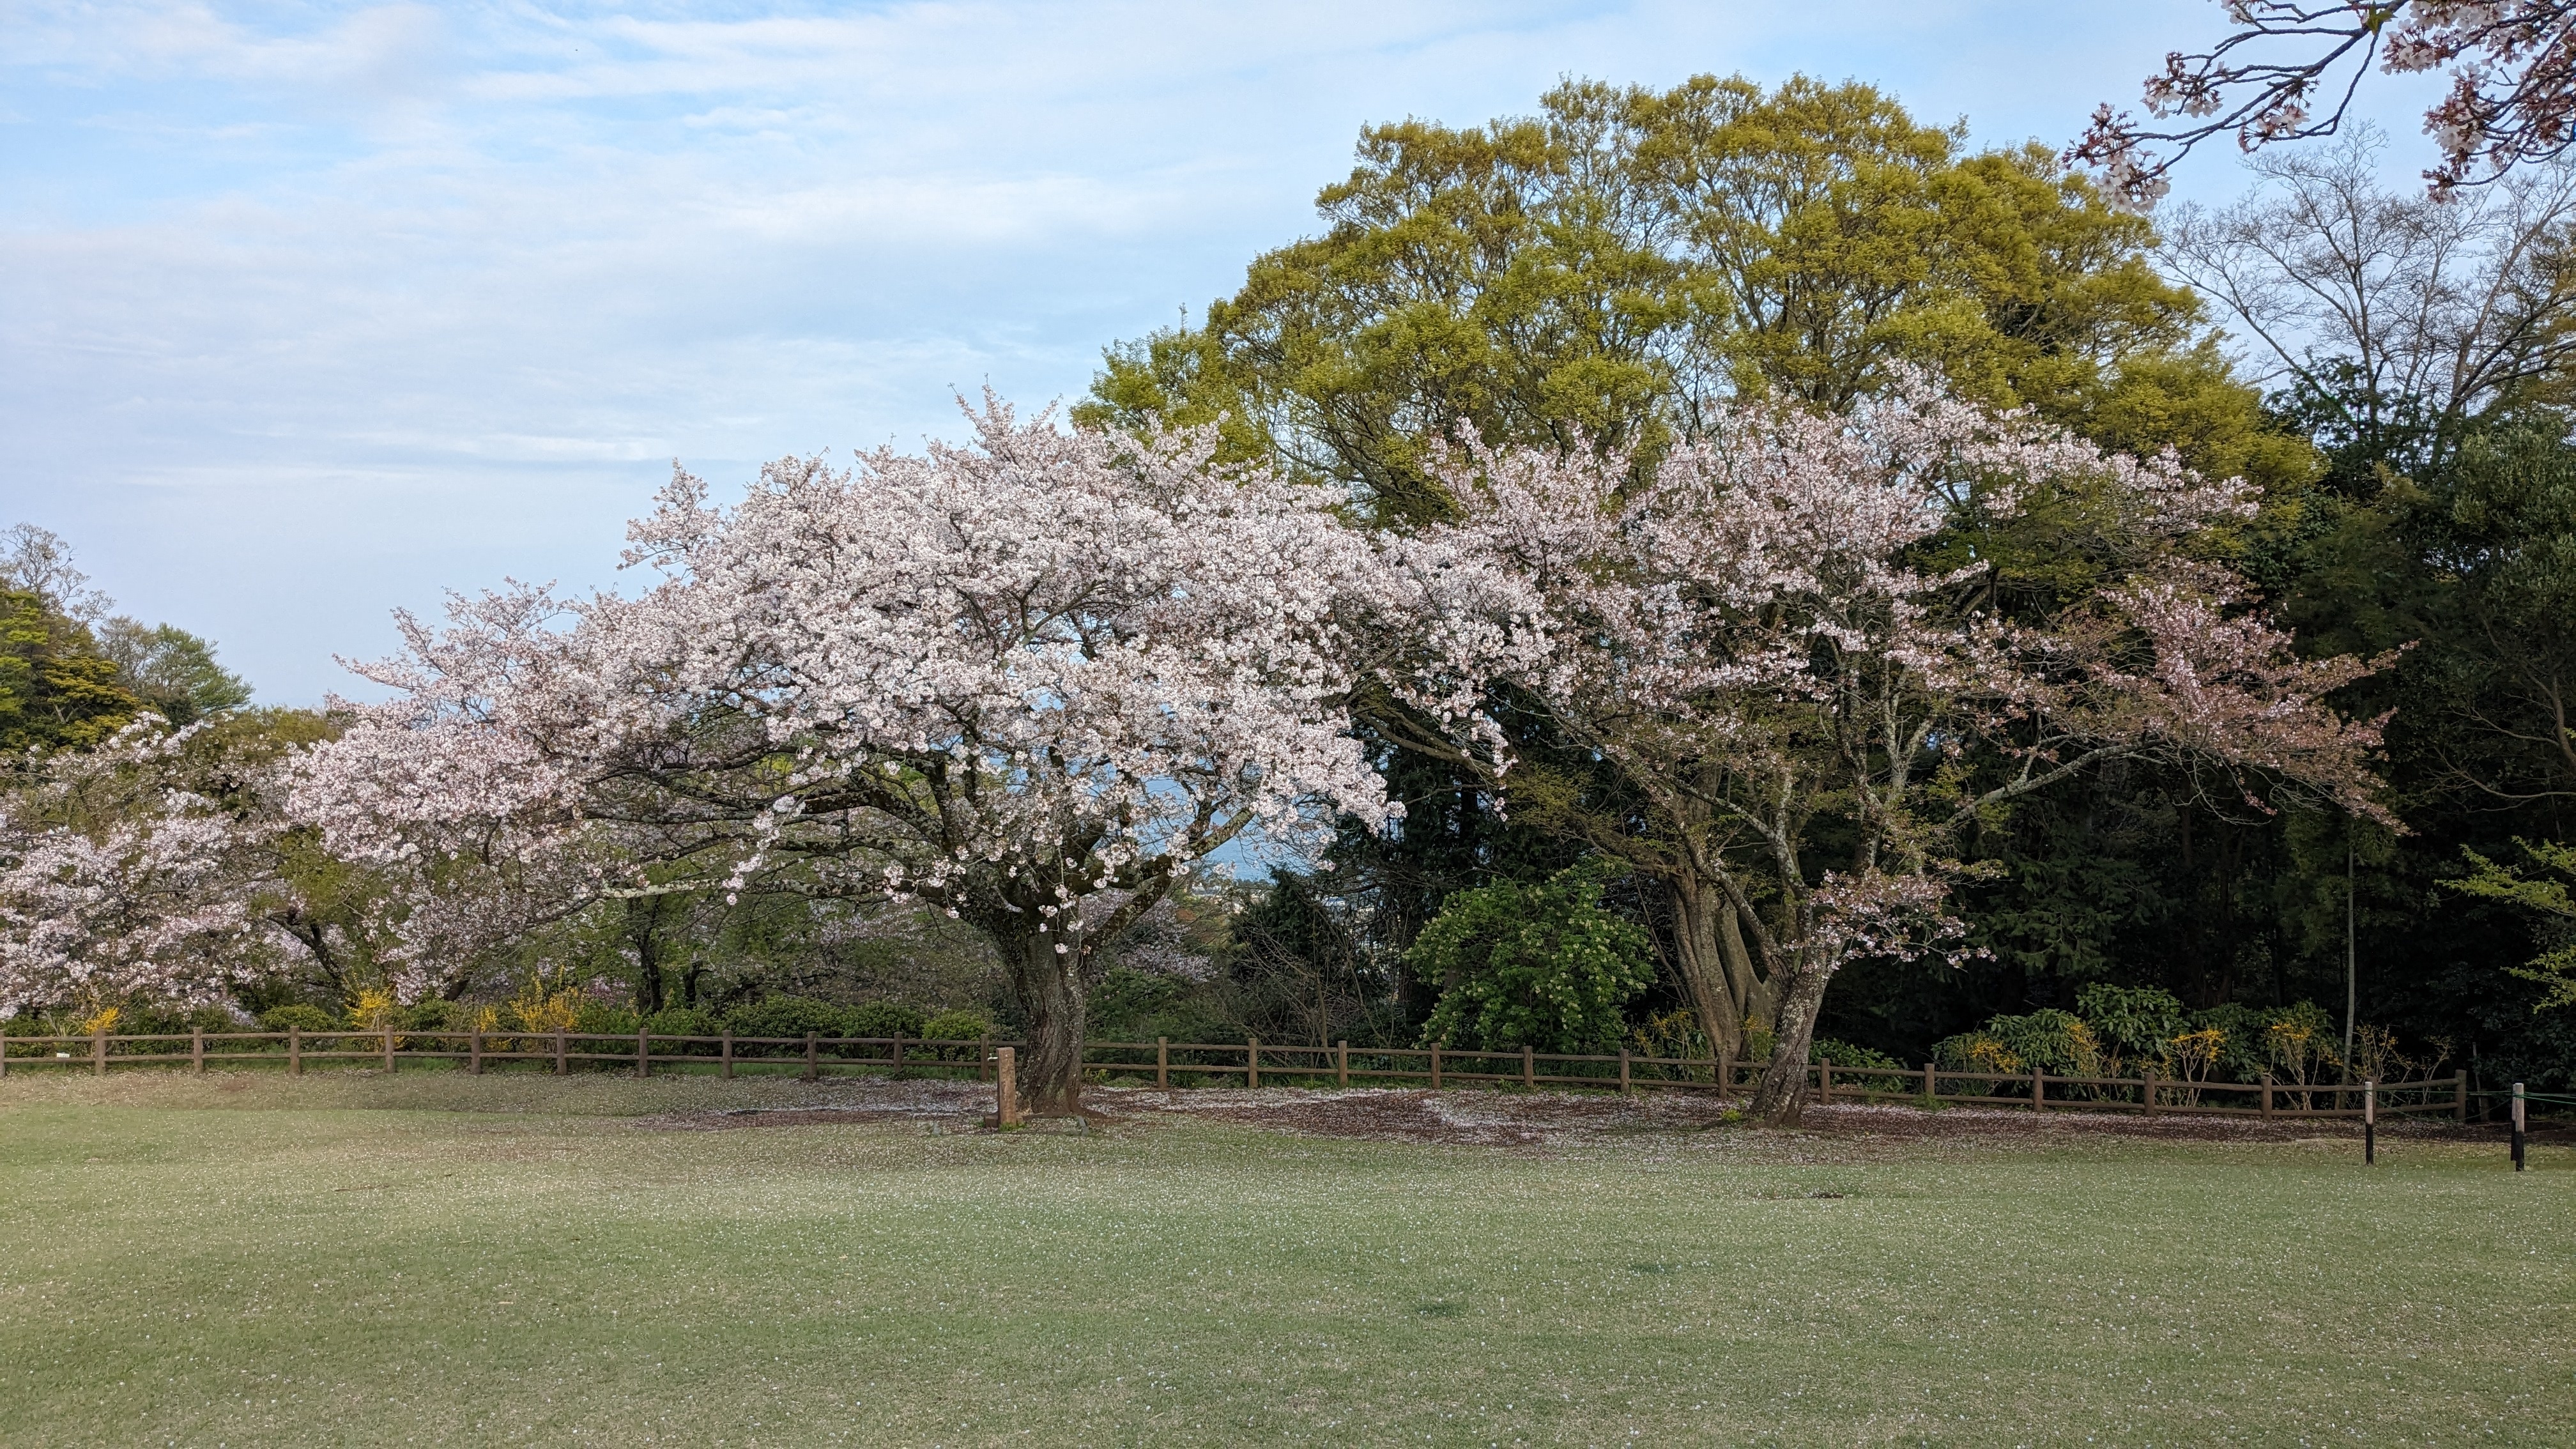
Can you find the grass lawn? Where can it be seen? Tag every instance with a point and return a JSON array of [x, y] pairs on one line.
[[439, 1259]]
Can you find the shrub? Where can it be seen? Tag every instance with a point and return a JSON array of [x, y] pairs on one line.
[[882, 1018], [174, 1020], [2134, 1022], [373, 1008], [1847, 1057], [539, 1010], [1137, 1006], [1540, 965], [436, 1014], [2300, 1044], [683, 1021], [785, 1016], [297, 1015], [606, 1020], [2056, 1042], [958, 1026], [1675, 1036]]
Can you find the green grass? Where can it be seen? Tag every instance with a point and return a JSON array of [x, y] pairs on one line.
[[439, 1259]]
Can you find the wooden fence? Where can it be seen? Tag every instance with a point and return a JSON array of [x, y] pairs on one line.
[[1169, 1063]]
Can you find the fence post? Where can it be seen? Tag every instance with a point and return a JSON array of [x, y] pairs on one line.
[[2370, 1122], [389, 1049], [1435, 1066], [1252, 1063], [1824, 1079], [1930, 1094], [2267, 1096], [1725, 1069], [897, 1073], [1163, 1061], [1342, 1063], [474, 1052], [1006, 1089], [98, 1067], [1529, 1067], [728, 1056], [197, 1050], [1623, 1071], [811, 1070], [643, 1055], [559, 1051], [2147, 1091], [2038, 1090], [984, 1056], [295, 1051], [2460, 1095], [2517, 1126]]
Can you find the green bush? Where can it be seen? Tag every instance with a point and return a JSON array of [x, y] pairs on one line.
[[168, 1020], [436, 1014], [882, 1018], [1541, 966], [784, 1016], [959, 1026], [683, 1021], [2240, 1056], [297, 1015], [1848, 1058], [2052, 1041], [1138, 1006], [607, 1020], [2134, 1023]]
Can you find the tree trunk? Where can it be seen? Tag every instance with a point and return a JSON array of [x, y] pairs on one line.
[[1049, 987], [1698, 960], [1782, 1093], [1715, 969], [643, 920], [1757, 998]]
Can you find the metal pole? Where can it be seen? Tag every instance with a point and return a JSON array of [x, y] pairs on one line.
[[2517, 1126], [2351, 976]]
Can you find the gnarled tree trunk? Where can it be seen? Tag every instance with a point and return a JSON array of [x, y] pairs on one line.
[[1781, 1095], [1049, 988], [1715, 969]]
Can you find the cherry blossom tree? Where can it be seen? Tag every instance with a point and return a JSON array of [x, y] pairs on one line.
[[1032, 681], [117, 884], [2288, 70], [1787, 642]]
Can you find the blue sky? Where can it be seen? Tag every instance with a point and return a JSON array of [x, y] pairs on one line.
[[309, 311]]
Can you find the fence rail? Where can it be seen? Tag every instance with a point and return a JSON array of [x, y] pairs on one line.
[[1168, 1063]]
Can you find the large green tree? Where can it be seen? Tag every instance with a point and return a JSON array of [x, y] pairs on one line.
[[57, 688], [1607, 272], [1604, 272]]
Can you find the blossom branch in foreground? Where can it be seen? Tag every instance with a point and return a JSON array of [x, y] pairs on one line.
[[2288, 70]]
